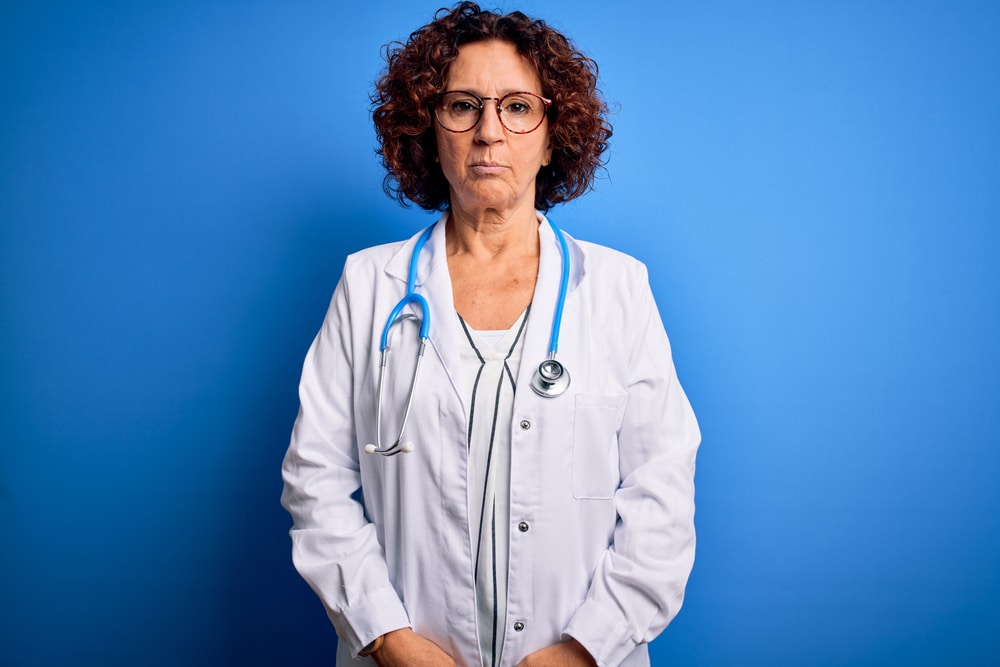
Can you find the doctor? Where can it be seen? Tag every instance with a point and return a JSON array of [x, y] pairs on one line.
[[522, 529]]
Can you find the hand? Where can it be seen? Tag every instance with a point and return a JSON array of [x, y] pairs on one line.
[[405, 647], [564, 654]]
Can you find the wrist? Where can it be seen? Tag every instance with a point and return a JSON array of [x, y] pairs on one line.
[[582, 651], [375, 645]]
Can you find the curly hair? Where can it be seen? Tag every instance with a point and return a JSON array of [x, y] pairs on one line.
[[416, 72]]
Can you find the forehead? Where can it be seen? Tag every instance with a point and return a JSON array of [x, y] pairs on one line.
[[493, 66]]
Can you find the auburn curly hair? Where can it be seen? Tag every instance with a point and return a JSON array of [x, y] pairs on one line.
[[417, 71]]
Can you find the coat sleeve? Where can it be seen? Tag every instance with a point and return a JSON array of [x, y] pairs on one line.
[[639, 583], [334, 546]]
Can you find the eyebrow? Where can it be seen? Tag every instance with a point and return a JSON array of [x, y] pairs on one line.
[[503, 93]]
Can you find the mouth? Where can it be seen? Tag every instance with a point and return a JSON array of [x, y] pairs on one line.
[[487, 167]]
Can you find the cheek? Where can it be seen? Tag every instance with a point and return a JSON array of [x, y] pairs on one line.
[[448, 153], [541, 151], [540, 156], [450, 165]]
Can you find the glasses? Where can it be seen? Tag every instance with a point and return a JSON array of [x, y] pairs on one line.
[[519, 113]]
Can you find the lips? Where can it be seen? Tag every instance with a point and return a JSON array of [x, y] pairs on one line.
[[487, 167]]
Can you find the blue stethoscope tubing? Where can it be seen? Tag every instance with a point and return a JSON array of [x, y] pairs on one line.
[[550, 379]]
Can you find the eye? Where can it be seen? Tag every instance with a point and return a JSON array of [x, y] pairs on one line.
[[463, 106], [517, 106], [460, 105]]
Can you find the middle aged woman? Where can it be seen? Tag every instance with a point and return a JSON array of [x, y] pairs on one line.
[[533, 523]]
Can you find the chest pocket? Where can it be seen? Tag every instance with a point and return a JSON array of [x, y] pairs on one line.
[[596, 421]]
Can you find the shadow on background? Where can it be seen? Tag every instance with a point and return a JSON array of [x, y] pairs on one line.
[[267, 597]]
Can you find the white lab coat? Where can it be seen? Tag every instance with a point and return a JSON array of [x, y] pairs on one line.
[[602, 477]]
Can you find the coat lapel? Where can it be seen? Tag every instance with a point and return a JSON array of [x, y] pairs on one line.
[[434, 283]]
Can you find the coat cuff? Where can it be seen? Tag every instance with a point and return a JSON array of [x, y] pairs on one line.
[[602, 633], [377, 614]]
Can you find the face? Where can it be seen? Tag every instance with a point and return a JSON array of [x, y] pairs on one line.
[[489, 168]]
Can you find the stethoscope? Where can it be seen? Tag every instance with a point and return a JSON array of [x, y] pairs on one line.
[[550, 379]]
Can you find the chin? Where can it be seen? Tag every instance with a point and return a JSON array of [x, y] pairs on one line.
[[495, 196]]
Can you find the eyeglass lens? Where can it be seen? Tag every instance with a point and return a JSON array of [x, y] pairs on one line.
[[459, 111]]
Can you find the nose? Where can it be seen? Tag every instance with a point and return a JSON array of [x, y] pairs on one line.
[[489, 129]]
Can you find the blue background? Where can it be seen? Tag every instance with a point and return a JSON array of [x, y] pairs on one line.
[[814, 187]]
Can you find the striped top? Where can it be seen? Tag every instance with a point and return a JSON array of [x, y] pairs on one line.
[[489, 365]]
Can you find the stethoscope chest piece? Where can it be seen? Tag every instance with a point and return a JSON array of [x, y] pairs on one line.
[[551, 379]]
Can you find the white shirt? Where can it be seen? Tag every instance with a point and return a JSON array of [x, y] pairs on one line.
[[601, 527], [490, 360]]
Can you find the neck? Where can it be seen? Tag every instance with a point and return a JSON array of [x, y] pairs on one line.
[[490, 233]]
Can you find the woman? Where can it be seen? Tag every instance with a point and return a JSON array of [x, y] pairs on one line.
[[545, 527]]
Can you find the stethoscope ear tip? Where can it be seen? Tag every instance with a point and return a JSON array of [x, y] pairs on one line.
[[405, 448]]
